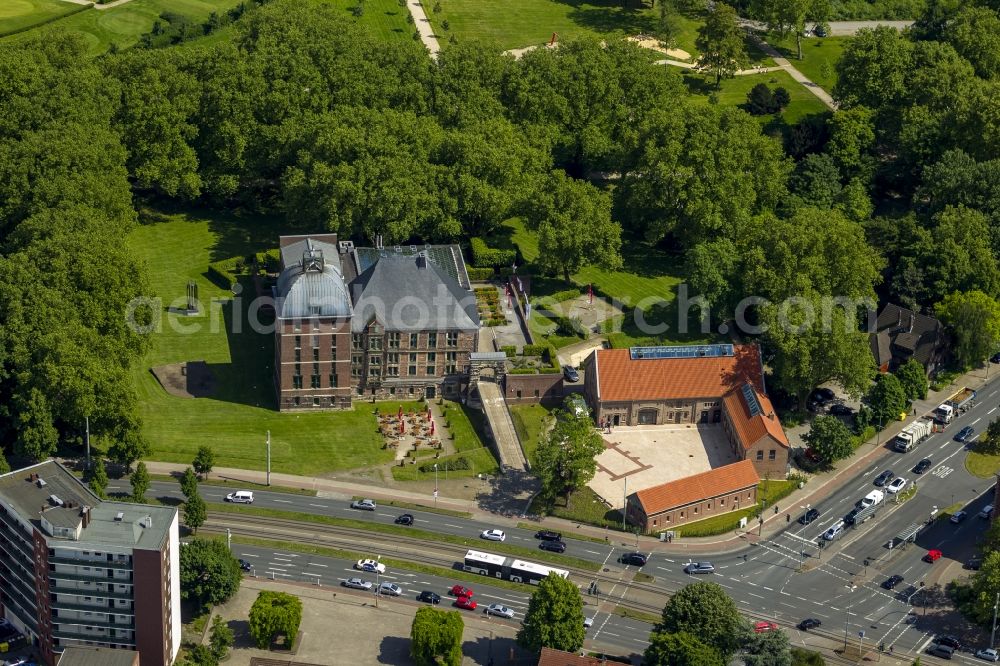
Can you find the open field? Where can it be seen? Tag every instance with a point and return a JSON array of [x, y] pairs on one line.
[[819, 57], [734, 93], [177, 248], [18, 15]]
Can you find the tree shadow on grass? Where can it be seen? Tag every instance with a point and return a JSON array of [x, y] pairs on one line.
[[497, 650], [610, 16], [394, 650]]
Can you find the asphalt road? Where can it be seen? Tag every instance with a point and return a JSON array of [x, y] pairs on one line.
[[786, 577]]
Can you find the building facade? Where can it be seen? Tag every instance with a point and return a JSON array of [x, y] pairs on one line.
[[370, 323], [80, 571]]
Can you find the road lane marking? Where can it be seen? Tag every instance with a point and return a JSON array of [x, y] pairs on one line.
[[249, 555], [278, 573], [767, 588], [976, 421], [991, 411], [455, 526], [316, 564], [282, 501], [785, 593], [282, 559], [322, 506], [275, 566], [784, 604], [284, 554], [592, 552], [755, 595], [421, 520], [387, 515]]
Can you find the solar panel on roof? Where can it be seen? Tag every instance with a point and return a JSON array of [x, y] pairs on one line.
[[681, 351], [751, 399]]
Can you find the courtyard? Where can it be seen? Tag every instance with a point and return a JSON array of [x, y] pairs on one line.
[[652, 455]]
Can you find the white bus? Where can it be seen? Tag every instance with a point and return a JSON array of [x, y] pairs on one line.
[[498, 566]]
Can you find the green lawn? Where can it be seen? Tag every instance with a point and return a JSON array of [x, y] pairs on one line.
[[17, 15], [734, 93], [530, 423], [819, 57], [584, 506], [983, 465], [177, 247]]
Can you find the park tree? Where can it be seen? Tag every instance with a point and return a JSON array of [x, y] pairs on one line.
[[887, 400], [574, 225], [985, 586], [221, 639], [803, 657], [195, 512], [815, 182], [768, 648], [566, 457], [140, 482], [189, 483], [872, 71], [720, 42], [852, 143], [209, 573], [913, 377], [669, 25], [989, 442], [99, 478], [975, 34], [554, 617], [203, 461], [275, 613], [679, 649], [436, 637], [829, 438], [36, 438], [974, 318], [706, 611], [4, 465], [788, 17]]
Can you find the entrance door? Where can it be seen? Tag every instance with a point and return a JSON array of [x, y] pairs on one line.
[[616, 420], [647, 417], [429, 392], [704, 417]]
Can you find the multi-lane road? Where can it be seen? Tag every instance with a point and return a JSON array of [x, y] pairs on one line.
[[785, 577]]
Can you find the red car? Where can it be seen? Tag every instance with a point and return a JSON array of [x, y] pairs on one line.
[[460, 591], [466, 603], [932, 555], [763, 626]]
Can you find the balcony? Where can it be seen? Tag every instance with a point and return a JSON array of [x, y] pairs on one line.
[[68, 605], [96, 638], [92, 622], [121, 565], [16, 582], [100, 576], [22, 614], [86, 592], [14, 539]]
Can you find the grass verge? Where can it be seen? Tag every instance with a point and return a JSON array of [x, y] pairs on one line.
[[650, 618], [480, 461], [239, 484], [400, 530], [421, 507], [565, 535], [982, 465], [530, 422], [584, 506], [21, 15]]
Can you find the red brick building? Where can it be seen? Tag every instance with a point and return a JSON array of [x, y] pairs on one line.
[[378, 323]]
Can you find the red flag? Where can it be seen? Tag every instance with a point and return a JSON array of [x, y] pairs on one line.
[[590, 292]]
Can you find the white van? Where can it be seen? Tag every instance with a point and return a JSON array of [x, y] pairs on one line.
[[240, 497], [834, 531], [872, 498]]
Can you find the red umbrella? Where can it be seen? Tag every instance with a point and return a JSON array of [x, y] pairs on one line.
[[432, 427]]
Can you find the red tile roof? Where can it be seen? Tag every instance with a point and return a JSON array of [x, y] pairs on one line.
[[622, 379], [719, 481], [550, 657], [751, 428]]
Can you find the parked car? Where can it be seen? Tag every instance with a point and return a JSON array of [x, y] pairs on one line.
[[892, 581], [933, 555], [570, 373], [884, 478], [405, 519], [809, 623], [958, 517], [390, 589], [964, 435], [986, 512], [699, 568], [942, 651], [466, 603], [636, 559], [819, 30], [244, 565], [429, 597], [357, 584], [995, 358], [493, 535], [364, 504], [923, 466], [460, 591], [896, 485], [841, 410], [548, 535], [948, 640], [809, 516], [588, 622], [499, 610], [988, 654], [820, 397], [764, 626], [370, 565], [553, 546], [973, 564]]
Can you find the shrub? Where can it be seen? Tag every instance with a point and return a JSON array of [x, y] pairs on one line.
[[534, 350], [477, 274], [559, 296], [509, 350], [225, 273], [461, 462], [483, 255], [761, 100]]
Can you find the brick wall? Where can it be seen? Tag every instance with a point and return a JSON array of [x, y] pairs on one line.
[[532, 389], [689, 513]]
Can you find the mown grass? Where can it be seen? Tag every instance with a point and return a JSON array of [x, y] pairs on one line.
[[649, 618], [400, 530], [819, 57], [421, 507], [530, 422], [177, 247], [733, 92], [583, 506], [481, 461], [769, 490], [18, 15], [982, 465], [238, 484]]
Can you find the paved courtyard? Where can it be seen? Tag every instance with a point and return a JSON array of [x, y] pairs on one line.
[[651, 455]]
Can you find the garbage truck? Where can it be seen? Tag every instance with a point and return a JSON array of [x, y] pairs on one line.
[[912, 435], [955, 405]]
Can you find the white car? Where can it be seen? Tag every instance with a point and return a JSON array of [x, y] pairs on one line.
[[588, 622], [989, 654], [370, 565], [357, 584], [493, 535], [500, 611], [896, 485], [390, 589], [364, 505]]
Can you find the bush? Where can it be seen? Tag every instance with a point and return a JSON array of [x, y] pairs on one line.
[[226, 273], [477, 274], [761, 100], [558, 297], [534, 350], [509, 350], [459, 463], [483, 255]]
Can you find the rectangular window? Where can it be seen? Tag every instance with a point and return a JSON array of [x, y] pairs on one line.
[[298, 341], [333, 346], [374, 359], [431, 357], [315, 368], [297, 382], [394, 341], [374, 372], [298, 369], [356, 363], [453, 339], [771, 455], [298, 326], [431, 370], [357, 341], [315, 353], [392, 371], [411, 371], [760, 455], [315, 381], [298, 354], [413, 358], [414, 339], [432, 340], [375, 342], [392, 359], [333, 380]]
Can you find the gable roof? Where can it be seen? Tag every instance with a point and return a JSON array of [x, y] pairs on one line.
[[915, 335], [551, 657], [753, 417], [622, 378], [410, 293], [713, 483]]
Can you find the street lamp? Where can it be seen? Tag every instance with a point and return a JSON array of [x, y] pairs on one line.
[[435, 484], [378, 592], [229, 539]]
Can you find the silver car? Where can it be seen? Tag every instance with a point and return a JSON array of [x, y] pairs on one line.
[[390, 589], [699, 568], [989, 654], [357, 584], [500, 611], [364, 504]]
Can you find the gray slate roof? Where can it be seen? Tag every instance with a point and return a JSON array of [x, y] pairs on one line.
[[409, 293], [448, 258], [908, 333], [302, 292]]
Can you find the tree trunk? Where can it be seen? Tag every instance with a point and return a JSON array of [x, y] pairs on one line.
[[798, 42], [566, 275]]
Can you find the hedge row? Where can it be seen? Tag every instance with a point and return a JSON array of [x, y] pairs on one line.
[[225, 273], [477, 274], [484, 255], [509, 350], [461, 462]]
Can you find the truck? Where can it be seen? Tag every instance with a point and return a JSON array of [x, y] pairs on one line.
[[912, 435], [873, 498], [955, 405]]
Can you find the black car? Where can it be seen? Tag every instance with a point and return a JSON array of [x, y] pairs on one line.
[[570, 373], [884, 478], [548, 535], [975, 564], [405, 519], [841, 410], [849, 519], [429, 597], [964, 435], [809, 623], [892, 581], [948, 640], [554, 546], [809, 516], [245, 566], [820, 397], [995, 358], [923, 466], [638, 559]]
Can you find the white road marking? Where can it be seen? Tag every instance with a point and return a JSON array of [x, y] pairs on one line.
[[322, 506], [458, 527], [767, 588], [421, 520], [923, 646], [755, 595], [249, 555], [592, 552], [387, 515], [976, 421], [784, 604], [282, 501], [284, 554], [316, 564], [991, 411], [282, 559], [275, 566], [278, 573]]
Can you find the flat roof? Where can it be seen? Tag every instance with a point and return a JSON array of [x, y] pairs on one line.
[[33, 491], [79, 655]]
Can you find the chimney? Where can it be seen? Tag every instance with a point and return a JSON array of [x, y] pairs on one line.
[[85, 514], [899, 317], [910, 330], [421, 260]]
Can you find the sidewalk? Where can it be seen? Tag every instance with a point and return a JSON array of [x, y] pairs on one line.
[[818, 488]]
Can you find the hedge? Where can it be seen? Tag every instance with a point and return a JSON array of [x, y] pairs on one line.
[[484, 255], [534, 350], [225, 273], [477, 274], [509, 350], [461, 462]]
